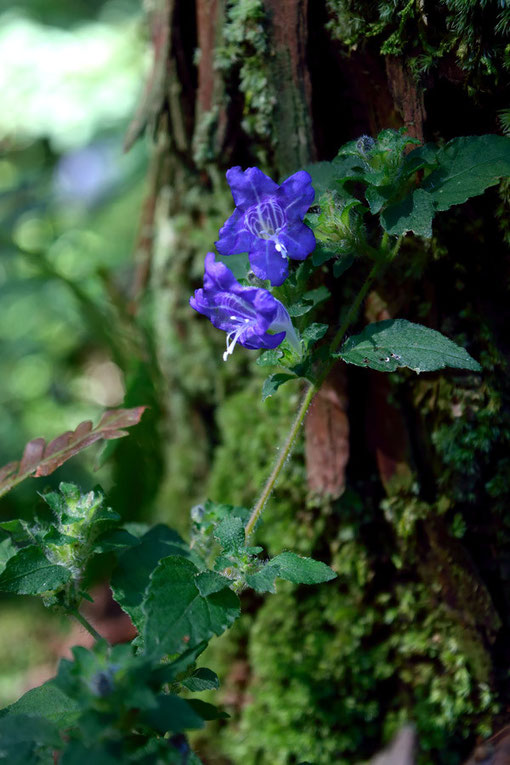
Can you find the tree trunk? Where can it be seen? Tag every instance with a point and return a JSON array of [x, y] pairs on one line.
[[407, 479]]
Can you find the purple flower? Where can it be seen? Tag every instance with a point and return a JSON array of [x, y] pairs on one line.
[[268, 221], [247, 314]]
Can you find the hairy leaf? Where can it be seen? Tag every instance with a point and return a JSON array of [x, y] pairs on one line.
[[269, 358], [29, 572], [173, 714], [202, 679], [300, 570], [48, 701], [308, 301], [177, 614], [413, 213], [388, 345], [20, 728], [132, 574], [41, 459], [273, 382], [230, 534], [466, 167]]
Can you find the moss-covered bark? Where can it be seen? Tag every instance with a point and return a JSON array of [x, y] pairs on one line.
[[418, 625]]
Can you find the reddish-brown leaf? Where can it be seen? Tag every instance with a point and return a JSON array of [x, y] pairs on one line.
[[41, 459]]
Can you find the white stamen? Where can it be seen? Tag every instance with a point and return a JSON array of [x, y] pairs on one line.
[[232, 344], [279, 247], [233, 318]]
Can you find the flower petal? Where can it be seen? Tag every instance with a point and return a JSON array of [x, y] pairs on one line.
[[253, 341], [296, 194], [234, 236], [298, 239], [249, 186], [267, 263], [217, 276]]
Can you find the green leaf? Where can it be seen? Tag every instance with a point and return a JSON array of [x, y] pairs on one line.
[[173, 714], [48, 701], [413, 213], [269, 358], [20, 728], [324, 177], [308, 301], [263, 580], [202, 679], [131, 577], [177, 614], [313, 333], [466, 167], [388, 345], [7, 551], [300, 570], [273, 382], [322, 254], [29, 572], [230, 534], [207, 711], [342, 263], [115, 540], [209, 582]]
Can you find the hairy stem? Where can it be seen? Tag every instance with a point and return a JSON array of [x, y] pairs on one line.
[[280, 462], [312, 390], [84, 623]]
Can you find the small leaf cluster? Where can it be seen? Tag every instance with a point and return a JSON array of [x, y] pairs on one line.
[[240, 562], [367, 199], [49, 555]]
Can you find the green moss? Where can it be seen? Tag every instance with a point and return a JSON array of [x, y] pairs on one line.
[[244, 54], [473, 31]]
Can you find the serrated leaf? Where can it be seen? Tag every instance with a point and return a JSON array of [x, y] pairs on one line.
[[208, 711], [269, 358], [202, 679], [413, 213], [168, 673], [466, 167], [273, 382], [16, 729], [324, 177], [209, 582], [132, 574], [300, 570], [172, 714], [29, 572], [308, 301], [342, 263], [388, 345], [322, 254], [41, 459], [177, 615], [230, 534], [47, 701], [7, 551], [263, 580], [313, 333], [115, 540]]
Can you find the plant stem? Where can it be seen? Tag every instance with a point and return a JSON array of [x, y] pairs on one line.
[[84, 623], [385, 257], [287, 447]]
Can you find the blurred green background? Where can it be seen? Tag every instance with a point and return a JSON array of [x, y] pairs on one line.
[[71, 75]]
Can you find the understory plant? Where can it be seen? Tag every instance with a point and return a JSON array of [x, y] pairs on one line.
[[134, 702]]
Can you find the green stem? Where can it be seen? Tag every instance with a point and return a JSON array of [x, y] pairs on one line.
[[351, 314], [86, 624], [280, 462]]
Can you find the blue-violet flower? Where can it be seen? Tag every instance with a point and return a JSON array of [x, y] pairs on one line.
[[247, 314], [268, 221]]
